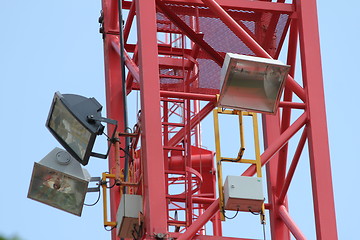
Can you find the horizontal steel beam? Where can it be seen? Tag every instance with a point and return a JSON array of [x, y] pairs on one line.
[[242, 4]]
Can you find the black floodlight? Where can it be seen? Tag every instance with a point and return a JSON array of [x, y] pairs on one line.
[[75, 121], [59, 181]]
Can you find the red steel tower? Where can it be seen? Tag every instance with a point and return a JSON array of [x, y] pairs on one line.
[[173, 59]]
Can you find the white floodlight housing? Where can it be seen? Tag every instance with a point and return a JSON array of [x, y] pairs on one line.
[[75, 121], [251, 83], [59, 180]]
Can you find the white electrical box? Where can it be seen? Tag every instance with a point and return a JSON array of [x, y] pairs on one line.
[[243, 193], [128, 215]]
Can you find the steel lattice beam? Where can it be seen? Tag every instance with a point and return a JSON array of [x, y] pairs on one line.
[[144, 61]]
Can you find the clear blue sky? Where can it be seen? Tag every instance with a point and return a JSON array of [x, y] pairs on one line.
[[49, 46]]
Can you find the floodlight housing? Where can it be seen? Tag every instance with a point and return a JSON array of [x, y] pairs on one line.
[[58, 180], [251, 83], [75, 121]]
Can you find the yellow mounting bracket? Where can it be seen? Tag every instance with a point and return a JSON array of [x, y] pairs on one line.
[[106, 176], [118, 180], [239, 158]]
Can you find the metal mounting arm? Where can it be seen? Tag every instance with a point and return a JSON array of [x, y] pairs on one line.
[[92, 118]]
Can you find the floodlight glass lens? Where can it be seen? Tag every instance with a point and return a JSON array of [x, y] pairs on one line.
[[251, 83], [69, 129], [57, 189], [245, 87]]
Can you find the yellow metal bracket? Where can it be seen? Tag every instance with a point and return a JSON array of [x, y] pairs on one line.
[[239, 158], [106, 176], [118, 179]]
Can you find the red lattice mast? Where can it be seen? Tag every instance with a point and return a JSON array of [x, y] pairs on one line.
[[174, 61]]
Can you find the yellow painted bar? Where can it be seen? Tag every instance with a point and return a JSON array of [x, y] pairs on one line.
[[104, 177], [258, 160], [242, 138], [257, 145], [218, 162], [250, 161], [239, 159], [262, 215], [235, 160]]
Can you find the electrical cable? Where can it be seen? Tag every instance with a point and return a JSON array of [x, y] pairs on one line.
[[264, 231], [127, 153], [133, 235], [134, 128], [123, 156], [111, 185], [123, 81], [108, 138], [237, 212], [123, 78], [105, 183], [93, 204], [254, 213], [129, 128], [135, 231], [263, 222], [109, 230]]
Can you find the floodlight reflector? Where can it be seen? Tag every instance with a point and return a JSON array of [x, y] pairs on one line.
[[251, 83], [59, 181]]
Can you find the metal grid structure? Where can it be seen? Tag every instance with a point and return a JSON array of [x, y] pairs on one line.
[[175, 63]]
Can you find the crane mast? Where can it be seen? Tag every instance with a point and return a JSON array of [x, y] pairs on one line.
[[171, 52]]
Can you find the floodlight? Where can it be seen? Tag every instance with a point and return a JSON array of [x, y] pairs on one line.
[[59, 180], [75, 121], [252, 83]]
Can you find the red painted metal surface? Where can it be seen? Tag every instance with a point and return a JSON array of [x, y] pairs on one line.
[[290, 223], [271, 126], [113, 92], [317, 127], [174, 61], [151, 142]]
